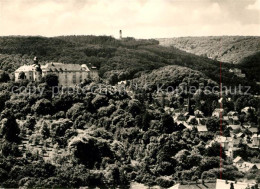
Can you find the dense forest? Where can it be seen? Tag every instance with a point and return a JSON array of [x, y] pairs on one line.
[[231, 49], [114, 138], [116, 134], [116, 59], [251, 66]]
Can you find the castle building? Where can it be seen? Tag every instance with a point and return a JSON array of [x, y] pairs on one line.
[[68, 74], [31, 72]]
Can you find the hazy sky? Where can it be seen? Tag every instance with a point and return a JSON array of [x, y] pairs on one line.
[[137, 18]]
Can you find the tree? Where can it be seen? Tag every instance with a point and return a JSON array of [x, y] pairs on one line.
[[51, 80], [212, 124], [146, 121], [134, 107], [90, 151], [167, 123], [45, 130], [43, 107], [99, 101], [76, 110], [9, 149], [4, 96], [3, 174], [30, 123], [209, 163], [10, 129], [4, 77], [113, 79], [214, 150]]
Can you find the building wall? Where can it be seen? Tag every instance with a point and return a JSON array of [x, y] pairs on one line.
[[66, 78], [16, 76], [28, 75], [37, 76], [256, 141], [72, 78]]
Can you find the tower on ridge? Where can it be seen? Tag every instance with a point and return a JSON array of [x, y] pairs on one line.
[[120, 34]]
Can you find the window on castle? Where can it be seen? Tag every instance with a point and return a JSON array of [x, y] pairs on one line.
[[74, 78], [80, 77], [66, 78]]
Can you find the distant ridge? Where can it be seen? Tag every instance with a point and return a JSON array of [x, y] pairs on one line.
[[231, 49]]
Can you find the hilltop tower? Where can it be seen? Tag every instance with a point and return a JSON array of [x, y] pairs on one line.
[[120, 34]]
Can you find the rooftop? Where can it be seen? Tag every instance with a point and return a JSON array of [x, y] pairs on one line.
[[56, 66], [237, 159], [253, 130], [223, 184], [25, 68], [194, 186], [256, 136], [235, 126], [202, 128]]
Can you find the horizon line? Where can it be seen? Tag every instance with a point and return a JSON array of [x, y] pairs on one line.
[[129, 36]]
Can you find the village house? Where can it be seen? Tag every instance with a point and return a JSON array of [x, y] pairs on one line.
[[240, 135], [234, 127], [232, 113], [123, 83], [256, 140], [68, 74], [231, 151], [247, 109], [229, 144], [253, 130], [247, 125], [217, 112], [247, 166], [201, 121], [238, 161], [198, 113], [224, 141], [169, 110], [232, 118], [202, 128], [191, 120], [244, 166], [234, 142], [237, 72]]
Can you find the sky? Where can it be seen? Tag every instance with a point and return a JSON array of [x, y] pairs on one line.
[[136, 18]]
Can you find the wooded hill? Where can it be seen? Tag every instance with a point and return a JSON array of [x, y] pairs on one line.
[[251, 66], [230, 49], [116, 59]]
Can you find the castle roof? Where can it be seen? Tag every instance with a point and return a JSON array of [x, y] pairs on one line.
[[60, 67], [25, 68]]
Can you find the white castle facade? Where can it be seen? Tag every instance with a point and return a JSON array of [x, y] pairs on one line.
[[68, 74]]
